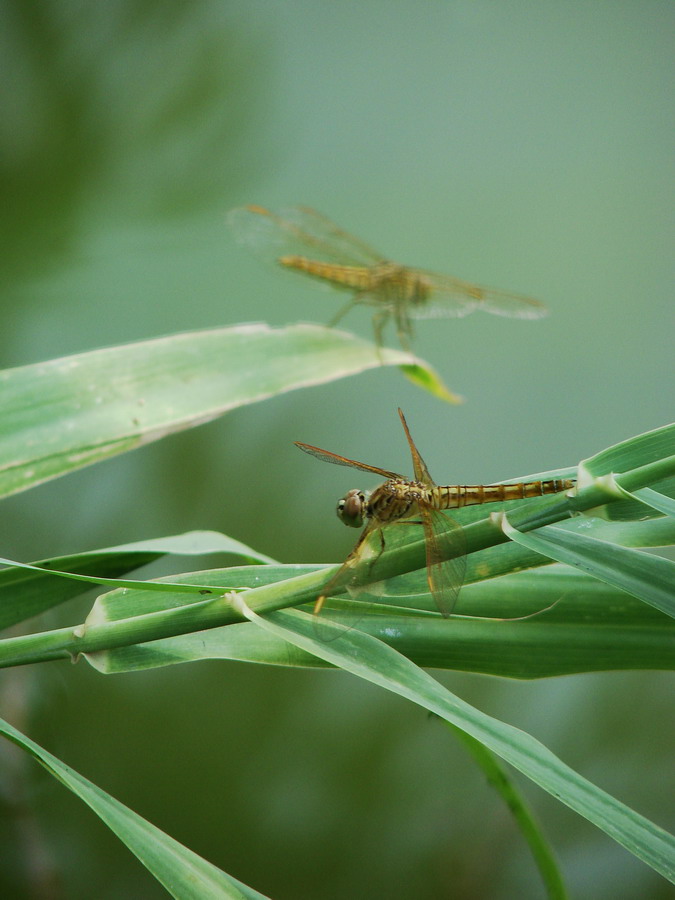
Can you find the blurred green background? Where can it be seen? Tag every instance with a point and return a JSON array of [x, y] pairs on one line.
[[520, 145]]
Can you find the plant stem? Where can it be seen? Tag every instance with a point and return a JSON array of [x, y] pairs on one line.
[[218, 611]]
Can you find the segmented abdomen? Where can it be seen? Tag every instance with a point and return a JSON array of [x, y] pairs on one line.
[[358, 278], [385, 281], [454, 496]]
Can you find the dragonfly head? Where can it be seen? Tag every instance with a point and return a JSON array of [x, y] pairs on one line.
[[351, 509]]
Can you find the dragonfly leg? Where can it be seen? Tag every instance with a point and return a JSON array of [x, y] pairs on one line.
[[343, 310], [407, 522], [370, 561], [380, 319], [403, 327]]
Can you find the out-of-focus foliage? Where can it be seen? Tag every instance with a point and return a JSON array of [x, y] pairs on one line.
[[529, 150]]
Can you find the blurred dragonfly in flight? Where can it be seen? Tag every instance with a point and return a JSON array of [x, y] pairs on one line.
[[416, 502], [305, 241]]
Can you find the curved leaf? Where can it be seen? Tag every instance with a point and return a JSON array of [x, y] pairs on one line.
[[184, 874], [28, 591], [644, 575], [60, 415], [656, 500], [374, 661], [505, 785]]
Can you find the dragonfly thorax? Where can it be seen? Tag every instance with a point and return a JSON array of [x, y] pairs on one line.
[[395, 284], [395, 499]]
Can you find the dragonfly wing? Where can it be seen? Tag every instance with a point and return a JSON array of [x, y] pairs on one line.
[[446, 559], [324, 232], [445, 296], [263, 232], [420, 467], [327, 456], [298, 231], [514, 306]]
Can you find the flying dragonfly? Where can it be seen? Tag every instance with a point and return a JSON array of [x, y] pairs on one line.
[[419, 501], [303, 240]]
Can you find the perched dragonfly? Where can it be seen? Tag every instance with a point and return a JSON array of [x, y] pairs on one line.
[[419, 502], [303, 240]]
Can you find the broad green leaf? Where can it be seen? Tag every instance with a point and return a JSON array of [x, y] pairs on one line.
[[27, 592], [60, 415], [374, 661], [184, 874]]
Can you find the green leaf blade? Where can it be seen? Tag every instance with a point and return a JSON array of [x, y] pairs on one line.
[[184, 874], [376, 662], [648, 577], [60, 415], [27, 592]]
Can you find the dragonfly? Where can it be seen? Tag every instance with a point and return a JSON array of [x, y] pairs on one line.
[[302, 240], [420, 501]]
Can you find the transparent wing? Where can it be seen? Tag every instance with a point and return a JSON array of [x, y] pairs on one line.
[[419, 466], [327, 456], [325, 233], [350, 580], [445, 296], [298, 231], [444, 538]]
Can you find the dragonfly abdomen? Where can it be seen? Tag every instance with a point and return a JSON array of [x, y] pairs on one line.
[[388, 283], [458, 495], [358, 278]]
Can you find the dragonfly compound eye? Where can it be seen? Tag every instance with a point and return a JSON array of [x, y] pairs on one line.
[[351, 508]]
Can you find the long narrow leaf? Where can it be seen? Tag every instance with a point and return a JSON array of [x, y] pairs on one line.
[[648, 577], [376, 662], [184, 874], [634, 452], [656, 500], [505, 786], [26, 592]]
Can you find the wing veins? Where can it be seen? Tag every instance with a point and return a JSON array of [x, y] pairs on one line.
[[327, 456]]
